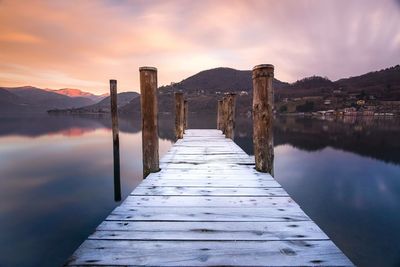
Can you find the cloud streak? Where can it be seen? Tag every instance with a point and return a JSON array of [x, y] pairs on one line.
[[84, 43]]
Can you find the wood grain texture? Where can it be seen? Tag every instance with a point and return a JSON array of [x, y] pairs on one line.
[[225, 231], [208, 191], [275, 213], [149, 111], [208, 253], [208, 206]]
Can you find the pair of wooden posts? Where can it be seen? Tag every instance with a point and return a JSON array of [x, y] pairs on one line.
[[226, 115], [181, 115], [262, 117]]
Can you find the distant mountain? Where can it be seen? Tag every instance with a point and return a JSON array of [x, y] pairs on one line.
[[309, 86], [203, 89], [9, 102], [31, 99], [103, 106], [384, 84], [6, 96], [219, 79], [78, 93]]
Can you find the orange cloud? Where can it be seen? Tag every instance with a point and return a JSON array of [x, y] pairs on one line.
[[82, 44]]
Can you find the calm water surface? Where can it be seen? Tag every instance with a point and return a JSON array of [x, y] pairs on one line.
[[56, 180]]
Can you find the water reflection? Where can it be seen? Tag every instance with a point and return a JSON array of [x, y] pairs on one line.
[[117, 173], [367, 136], [56, 181]]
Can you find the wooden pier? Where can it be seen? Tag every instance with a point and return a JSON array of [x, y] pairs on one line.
[[208, 206]]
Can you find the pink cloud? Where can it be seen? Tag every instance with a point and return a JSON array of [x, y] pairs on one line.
[[82, 44]]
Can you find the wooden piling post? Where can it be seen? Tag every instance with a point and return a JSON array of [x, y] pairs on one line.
[[219, 115], [230, 116], [224, 114], [115, 134], [185, 115], [179, 115], [149, 109], [263, 117]]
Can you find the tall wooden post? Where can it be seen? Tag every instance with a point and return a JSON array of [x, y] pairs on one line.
[[230, 116], [115, 134], [149, 109], [224, 114], [262, 117], [185, 115], [219, 115], [179, 115]]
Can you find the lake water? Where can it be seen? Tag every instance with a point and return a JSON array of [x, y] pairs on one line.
[[56, 180]]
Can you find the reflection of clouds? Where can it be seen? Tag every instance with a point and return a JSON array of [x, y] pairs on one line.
[[283, 150], [58, 185], [75, 131]]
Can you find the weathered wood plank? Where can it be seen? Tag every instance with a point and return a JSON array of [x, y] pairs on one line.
[[276, 213], [208, 253], [221, 182], [244, 231], [206, 191], [209, 201], [239, 170], [206, 175]]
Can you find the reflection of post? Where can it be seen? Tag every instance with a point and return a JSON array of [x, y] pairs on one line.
[[149, 109], [263, 117], [230, 117], [219, 115], [114, 119], [185, 115], [179, 116]]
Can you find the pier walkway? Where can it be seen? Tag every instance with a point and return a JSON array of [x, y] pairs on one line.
[[208, 206]]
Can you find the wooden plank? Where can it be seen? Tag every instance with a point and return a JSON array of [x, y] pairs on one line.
[[275, 213], [208, 253], [206, 191], [222, 231], [205, 175], [210, 201], [239, 170], [213, 166], [222, 182]]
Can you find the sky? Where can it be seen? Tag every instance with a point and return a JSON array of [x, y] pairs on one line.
[[82, 44]]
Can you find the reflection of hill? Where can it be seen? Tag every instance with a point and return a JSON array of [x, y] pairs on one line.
[[67, 125], [41, 125], [376, 138]]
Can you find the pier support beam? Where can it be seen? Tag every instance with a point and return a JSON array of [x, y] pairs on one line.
[[224, 113], [219, 115], [149, 109], [263, 117], [115, 134], [230, 116], [185, 115], [179, 115]]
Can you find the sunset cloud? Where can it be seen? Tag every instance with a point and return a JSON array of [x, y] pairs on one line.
[[83, 44]]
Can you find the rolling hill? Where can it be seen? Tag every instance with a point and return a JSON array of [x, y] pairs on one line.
[[28, 99], [203, 89], [101, 107], [71, 92]]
